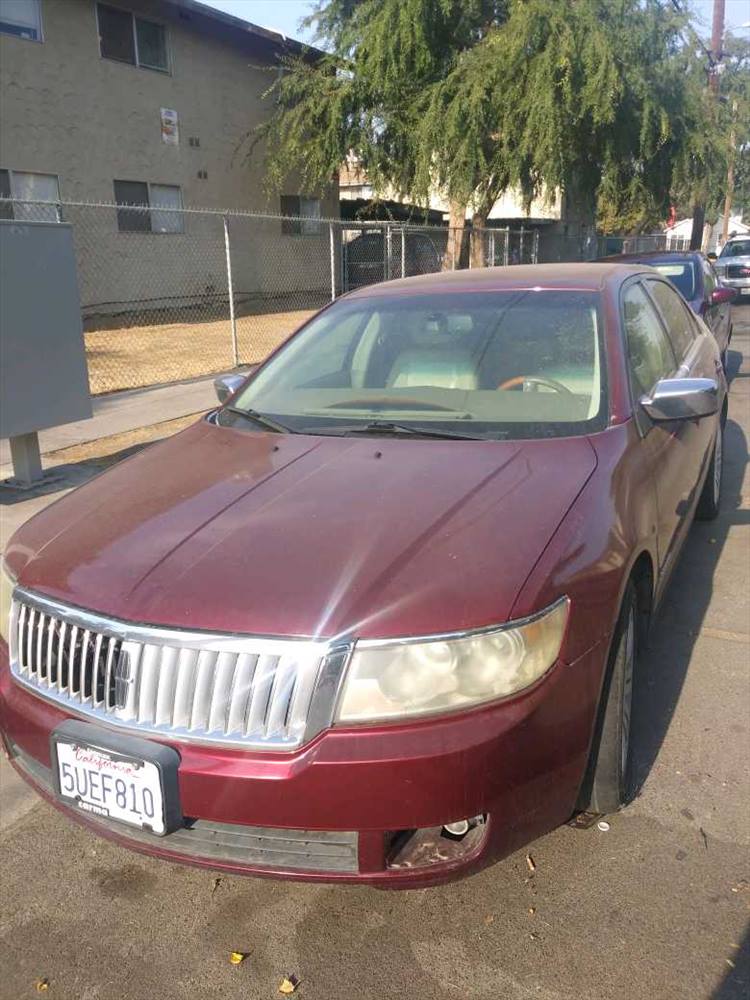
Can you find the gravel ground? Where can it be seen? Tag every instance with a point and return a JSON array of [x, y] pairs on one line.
[[655, 908]]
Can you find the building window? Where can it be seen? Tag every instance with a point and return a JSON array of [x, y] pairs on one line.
[[22, 18], [148, 208], [27, 191], [6, 209], [127, 38], [304, 215]]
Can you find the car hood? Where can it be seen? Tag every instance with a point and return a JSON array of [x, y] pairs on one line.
[[723, 262], [271, 534]]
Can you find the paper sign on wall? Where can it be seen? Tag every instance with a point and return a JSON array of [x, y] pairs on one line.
[[170, 132]]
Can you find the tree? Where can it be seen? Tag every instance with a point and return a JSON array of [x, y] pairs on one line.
[[476, 96], [735, 103]]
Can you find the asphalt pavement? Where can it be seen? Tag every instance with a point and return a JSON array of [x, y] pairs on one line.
[[655, 907]]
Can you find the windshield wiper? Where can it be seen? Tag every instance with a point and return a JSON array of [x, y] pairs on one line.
[[260, 418], [388, 427]]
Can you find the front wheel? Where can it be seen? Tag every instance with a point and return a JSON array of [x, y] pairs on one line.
[[610, 780], [710, 498]]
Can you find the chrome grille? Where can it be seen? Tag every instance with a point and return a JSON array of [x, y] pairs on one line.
[[188, 685]]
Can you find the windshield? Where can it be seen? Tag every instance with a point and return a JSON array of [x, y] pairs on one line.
[[504, 364], [740, 248], [681, 275]]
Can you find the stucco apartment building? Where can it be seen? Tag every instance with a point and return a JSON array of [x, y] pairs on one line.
[[147, 102]]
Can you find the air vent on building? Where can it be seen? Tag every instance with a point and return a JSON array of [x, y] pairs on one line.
[[193, 140], [203, 175]]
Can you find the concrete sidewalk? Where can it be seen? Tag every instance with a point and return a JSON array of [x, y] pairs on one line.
[[121, 412]]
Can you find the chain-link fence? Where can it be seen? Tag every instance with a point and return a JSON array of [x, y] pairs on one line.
[[173, 294]]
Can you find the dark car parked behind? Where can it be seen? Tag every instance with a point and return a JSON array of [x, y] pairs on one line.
[[694, 277], [379, 255]]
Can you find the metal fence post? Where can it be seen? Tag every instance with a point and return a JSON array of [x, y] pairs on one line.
[[536, 246], [403, 252], [506, 248], [520, 246], [332, 242], [343, 262], [230, 290]]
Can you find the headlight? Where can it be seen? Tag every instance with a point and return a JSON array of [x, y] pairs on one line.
[[7, 583], [387, 680]]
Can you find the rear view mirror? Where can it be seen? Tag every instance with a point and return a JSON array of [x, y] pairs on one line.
[[723, 293], [227, 385], [682, 399]]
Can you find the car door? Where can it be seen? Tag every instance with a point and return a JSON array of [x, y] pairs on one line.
[[670, 449], [696, 354], [715, 315]]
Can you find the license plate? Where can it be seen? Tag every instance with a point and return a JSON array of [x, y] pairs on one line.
[[118, 778]]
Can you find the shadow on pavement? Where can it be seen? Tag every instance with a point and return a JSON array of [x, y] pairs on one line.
[[664, 664], [67, 476], [736, 984]]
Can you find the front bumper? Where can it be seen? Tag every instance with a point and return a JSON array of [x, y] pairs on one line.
[[741, 284], [333, 810]]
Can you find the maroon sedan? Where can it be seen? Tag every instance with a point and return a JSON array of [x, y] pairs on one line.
[[376, 618]]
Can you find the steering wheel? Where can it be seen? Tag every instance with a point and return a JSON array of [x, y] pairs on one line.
[[511, 383]]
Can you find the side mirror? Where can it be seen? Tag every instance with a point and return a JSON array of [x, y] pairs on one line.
[[226, 386], [682, 399], [723, 293]]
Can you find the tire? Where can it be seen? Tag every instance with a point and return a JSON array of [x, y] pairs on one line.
[[610, 775], [710, 498]]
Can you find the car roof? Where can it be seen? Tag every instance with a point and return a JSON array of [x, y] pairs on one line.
[[657, 256], [589, 276]]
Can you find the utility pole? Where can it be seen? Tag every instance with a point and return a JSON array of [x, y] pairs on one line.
[[730, 176], [717, 44], [717, 38]]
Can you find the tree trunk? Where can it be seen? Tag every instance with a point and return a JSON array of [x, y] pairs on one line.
[[577, 220], [699, 216], [456, 229], [479, 239]]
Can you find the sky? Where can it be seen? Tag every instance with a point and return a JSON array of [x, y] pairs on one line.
[[285, 15], [281, 15]]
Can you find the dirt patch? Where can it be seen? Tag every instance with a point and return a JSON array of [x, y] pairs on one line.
[[124, 882], [129, 357]]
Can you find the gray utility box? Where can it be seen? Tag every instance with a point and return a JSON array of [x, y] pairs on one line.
[[43, 375]]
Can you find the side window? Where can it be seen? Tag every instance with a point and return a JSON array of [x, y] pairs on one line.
[[22, 18], [156, 207], [676, 318], [30, 192], [649, 352], [303, 215], [130, 39]]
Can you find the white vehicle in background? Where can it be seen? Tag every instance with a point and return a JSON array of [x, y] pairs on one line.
[[733, 266]]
